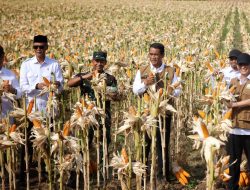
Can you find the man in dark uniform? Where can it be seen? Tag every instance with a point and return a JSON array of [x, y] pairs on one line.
[[84, 81]]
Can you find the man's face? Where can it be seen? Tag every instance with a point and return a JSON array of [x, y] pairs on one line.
[[233, 62], [155, 57], [40, 48], [244, 69], [98, 65]]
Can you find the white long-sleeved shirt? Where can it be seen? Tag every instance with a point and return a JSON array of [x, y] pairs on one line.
[[6, 74], [32, 72], [229, 73], [139, 86]]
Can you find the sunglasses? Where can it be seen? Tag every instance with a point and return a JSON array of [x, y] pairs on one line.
[[40, 47]]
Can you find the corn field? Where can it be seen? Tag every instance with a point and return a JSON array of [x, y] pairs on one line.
[[197, 36]]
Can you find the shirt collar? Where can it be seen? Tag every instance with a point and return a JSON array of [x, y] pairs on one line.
[[157, 70], [231, 70], [36, 61]]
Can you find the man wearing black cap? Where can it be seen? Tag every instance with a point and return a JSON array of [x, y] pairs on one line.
[[231, 71], [34, 69], [31, 82], [84, 81], [239, 138]]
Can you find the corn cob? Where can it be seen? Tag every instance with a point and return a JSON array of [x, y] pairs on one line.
[[202, 114], [46, 81], [30, 107], [228, 115], [66, 129], [36, 123], [208, 65], [124, 155], [13, 128], [204, 130]]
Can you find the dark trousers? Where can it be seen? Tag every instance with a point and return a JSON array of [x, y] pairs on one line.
[[237, 143], [159, 147]]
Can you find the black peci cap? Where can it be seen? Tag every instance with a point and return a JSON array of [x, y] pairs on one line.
[[40, 38], [100, 55], [243, 58], [234, 53]]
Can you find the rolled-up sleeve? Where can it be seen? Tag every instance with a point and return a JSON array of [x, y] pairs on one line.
[[138, 86]]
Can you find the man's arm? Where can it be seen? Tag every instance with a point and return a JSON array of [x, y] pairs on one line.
[[176, 91], [77, 80], [59, 77], [16, 86], [24, 83], [139, 86]]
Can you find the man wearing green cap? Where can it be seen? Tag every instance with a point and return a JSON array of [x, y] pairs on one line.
[[84, 81]]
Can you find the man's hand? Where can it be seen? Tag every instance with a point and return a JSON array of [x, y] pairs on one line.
[[40, 86], [57, 83], [227, 103], [8, 88], [149, 80]]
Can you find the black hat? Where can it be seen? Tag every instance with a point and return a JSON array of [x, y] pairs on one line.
[[40, 38], [234, 53], [243, 58], [100, 55]]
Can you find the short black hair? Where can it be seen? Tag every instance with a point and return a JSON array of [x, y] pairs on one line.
[[158, 46], [1, 51]]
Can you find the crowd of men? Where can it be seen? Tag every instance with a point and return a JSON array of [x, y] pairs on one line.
[[34, 69]]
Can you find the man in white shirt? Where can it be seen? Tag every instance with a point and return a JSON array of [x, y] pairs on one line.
[[9, 84], [143, 79], [34, 69], [232, 70], [31, 82]]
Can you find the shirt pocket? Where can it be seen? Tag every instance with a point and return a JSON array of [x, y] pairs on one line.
[[32, 77], [245, 94], [244, 116]]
